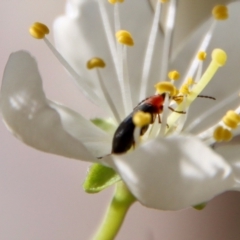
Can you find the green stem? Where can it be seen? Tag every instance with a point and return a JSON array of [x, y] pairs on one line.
[[116, 213]]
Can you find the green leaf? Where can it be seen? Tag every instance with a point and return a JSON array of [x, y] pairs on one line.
[[99, 177], [105, 125], [200, 206]]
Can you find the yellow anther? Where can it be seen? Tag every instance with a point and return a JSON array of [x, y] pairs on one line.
[[202, 56], [231, 119], [222, 134], [233, 115], [165, 87], [174, 75], [184, 89], [95, 63], [227, 135], [220, 12], [190, 82], [141, 119], [115, 1], [219, 57], [164, 1], [124, 37], [217, 134], [178, 99], [123, 33], [176, 92], [38, 30]]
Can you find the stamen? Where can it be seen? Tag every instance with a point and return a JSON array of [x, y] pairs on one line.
[[168, 38], [208, 113], [165, 87], [170, 90], [37, 30], [231, 119], [220, 12], [219, 58], [99, 63], [184, 89], [202, 56], [124, 37], [178, 99], [115, 1], [149, 52], [113, 50], [116, 18], [164, 114], [190, 82], [95, 62], [140, 119], [217, 12], [174, 75], [222, 134], [109, 33]]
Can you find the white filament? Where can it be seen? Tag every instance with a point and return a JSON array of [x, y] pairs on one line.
[[149, 52], [203, 47], [168, 38], [211, 111], [82, 83], [107, 97]]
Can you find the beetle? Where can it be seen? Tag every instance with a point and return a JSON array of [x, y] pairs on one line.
[[123, 138]]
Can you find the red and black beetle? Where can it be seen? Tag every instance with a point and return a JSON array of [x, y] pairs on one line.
[[123, 138]]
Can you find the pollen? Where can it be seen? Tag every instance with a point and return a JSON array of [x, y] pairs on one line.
[[178, 99], [38, 30], [222, 134], [231, 119], [166, 87], [202, 56], [115, 1], [95, 63], [141, 119], [190, 81], [174, 75], [220, 12], [124, 37], [184, 89]]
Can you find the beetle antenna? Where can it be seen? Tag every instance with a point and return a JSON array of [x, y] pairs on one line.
[[209, 97], [181, 112]]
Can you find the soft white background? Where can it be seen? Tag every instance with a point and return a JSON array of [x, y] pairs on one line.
[[41, 196]]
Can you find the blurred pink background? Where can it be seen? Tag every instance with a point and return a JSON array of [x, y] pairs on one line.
[[41, 195]]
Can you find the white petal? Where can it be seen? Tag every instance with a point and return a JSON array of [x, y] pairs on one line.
[[40, 123], [94, 139], [174, 173], [225, 83], [80, 35], [231, 152]]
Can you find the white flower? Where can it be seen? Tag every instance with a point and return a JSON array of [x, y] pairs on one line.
[[165, 173]]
